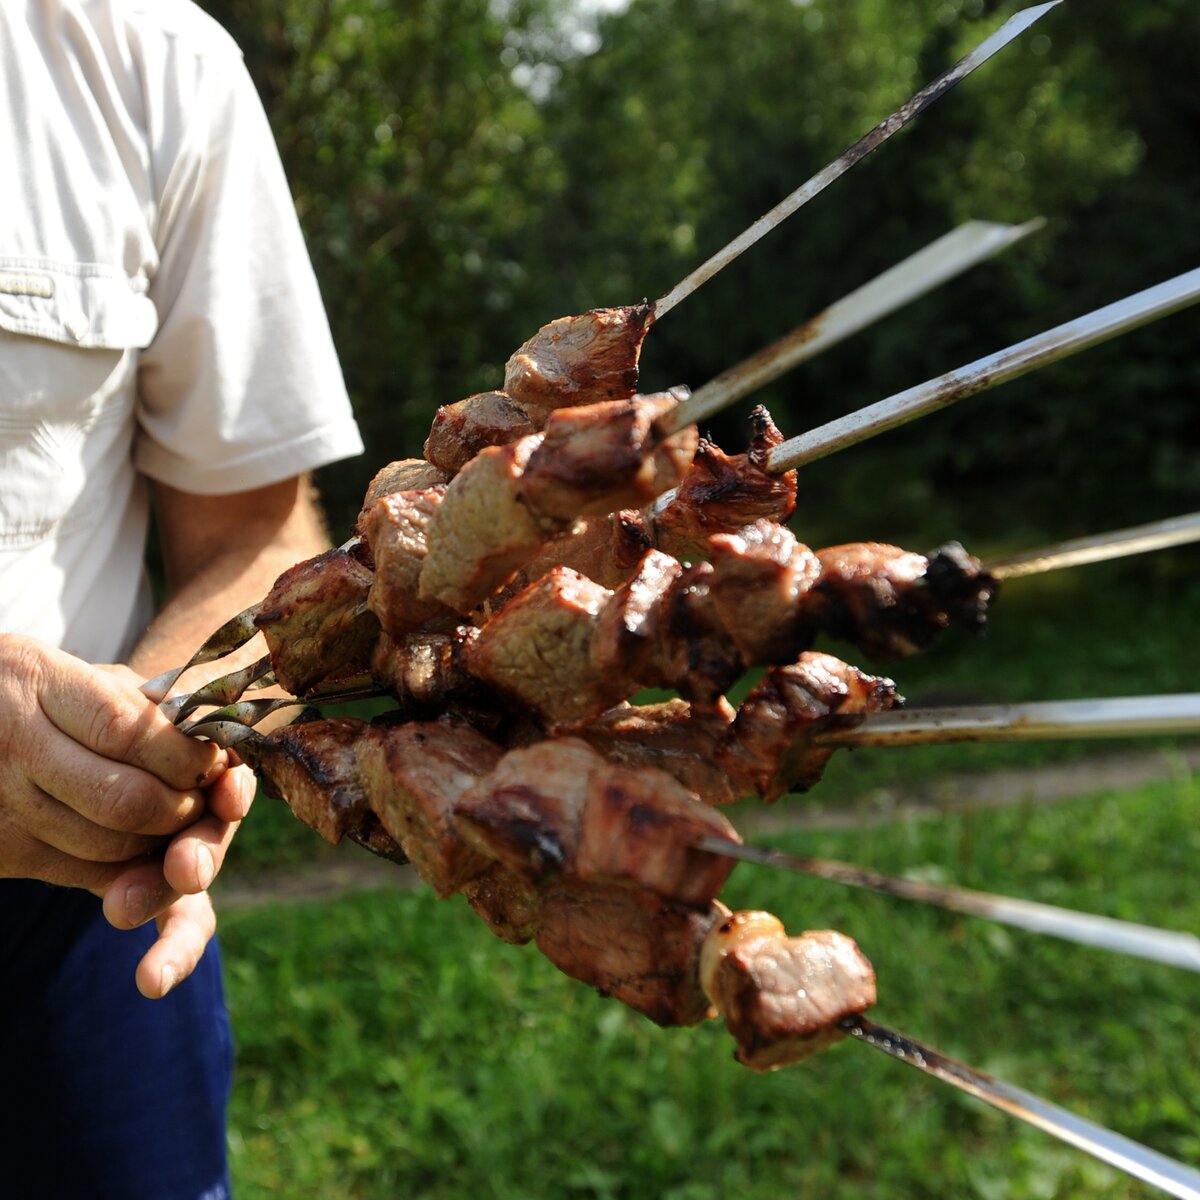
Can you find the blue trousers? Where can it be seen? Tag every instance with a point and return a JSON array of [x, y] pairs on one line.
[[104, 1095]]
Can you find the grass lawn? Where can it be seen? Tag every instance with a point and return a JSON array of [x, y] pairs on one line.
[[390, 1047]]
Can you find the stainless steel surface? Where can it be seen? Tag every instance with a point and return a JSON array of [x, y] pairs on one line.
[[1013, 28]]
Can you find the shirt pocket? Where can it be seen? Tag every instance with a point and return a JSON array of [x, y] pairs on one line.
[[69, 337]]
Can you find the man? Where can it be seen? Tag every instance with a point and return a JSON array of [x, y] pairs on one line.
[[161, 339]]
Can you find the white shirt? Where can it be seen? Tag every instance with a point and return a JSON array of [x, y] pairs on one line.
[[159, 317]]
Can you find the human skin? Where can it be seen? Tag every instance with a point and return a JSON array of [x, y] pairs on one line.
[[97, 789]]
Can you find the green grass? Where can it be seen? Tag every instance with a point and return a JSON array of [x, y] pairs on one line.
[[389, 1046]]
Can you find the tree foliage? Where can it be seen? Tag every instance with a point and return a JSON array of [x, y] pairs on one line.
[[467, 170]]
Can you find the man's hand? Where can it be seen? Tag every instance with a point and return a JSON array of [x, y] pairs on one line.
[[98, 790]]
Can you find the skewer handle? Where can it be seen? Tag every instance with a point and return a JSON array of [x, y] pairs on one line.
[[1140, 539], [1039, 351], [1174, 1178], [1125, 716]]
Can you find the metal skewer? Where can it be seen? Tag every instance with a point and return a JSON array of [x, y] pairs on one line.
[[1105, 933], [237, 631], [224, 690], [1039, 351], [1123, 716], [1140, 539], [899, 285], [1174, 1178], [928, 95]]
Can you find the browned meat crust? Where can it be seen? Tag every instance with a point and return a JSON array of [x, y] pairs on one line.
[[506, 902], [629, 944], [723, 492], [770, 743], [405, 475], [599, 458], [461, 430], [579, 360], [413, 775], [783, 996], [316, 622], [890, 602]]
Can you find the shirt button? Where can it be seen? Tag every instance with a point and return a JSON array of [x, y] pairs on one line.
[[77, 325]]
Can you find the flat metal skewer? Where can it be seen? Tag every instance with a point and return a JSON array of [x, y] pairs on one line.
[[224, 690], [1139, 539], [928, 95], [1165, 946], [1121, 716], [1172, 1177], [899, 285], [1010, 363]]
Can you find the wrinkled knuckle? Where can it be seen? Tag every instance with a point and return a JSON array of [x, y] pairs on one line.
[[125, 802], [120, 734]]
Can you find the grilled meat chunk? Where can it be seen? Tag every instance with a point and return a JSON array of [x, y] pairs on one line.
[[723, 492], [629, 944], [782, 996], [598, 458], [462, 429], [506, 902], [405, 475], [482, 534], [770, 743], [579, 360], [413, 775], [317, 624], [426, 671], [759, 576], [673, 738], [890, 602], [536, 650], [557, 808], [395, 530]]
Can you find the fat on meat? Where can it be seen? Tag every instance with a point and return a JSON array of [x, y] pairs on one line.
[[783, 996]]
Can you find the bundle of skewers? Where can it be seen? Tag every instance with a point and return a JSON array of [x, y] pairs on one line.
[[566, 543]]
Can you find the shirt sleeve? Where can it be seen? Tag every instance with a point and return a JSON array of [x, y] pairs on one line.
[[241, 386]]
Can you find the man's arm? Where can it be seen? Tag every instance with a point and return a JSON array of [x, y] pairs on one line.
[[222, 554]]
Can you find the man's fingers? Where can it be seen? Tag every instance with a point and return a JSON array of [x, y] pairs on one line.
[[113, 794], [29, 858], [137, 893], [112, 718], [46, 820], [184, 931], [232, 794], [193, 858]]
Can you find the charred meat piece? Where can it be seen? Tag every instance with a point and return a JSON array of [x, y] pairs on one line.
[[605, 549], [482, 534], [313, 768], [395, 530], [770, 743], [890, 602], [405, 475], [557, 808], [413, 775], [721, 493], [461, 430], [536, 650], [599, 458], [673, 738], [783, 996], [759, 576], [632, 632], [317, 624], [426, 671], [629, 944], [579, 360], [506, 902]]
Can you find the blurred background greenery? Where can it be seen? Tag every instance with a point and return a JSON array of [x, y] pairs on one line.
[[467, 170]]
